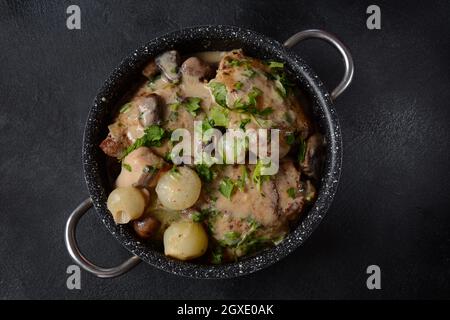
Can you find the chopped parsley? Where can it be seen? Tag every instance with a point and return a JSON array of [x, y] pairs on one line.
[[152, 137], [249, 72], [290, 138], [125, 107], [192, 105], [217, 255], [152, 82], [150, 169], [239, 63], [302, 151], [291, 193], [174, 171], [257, 177], [199, 216], [205, 173], [277, 74], [235, 63], [247, 242], [231, 239], [264, 112], [250, 106], [219, 92], [241, 182], [283, 84], [276, 65], [127, 166], [238, 85], [244, 122], [174, 106], [253, 94], [227, 187], [219, 116]]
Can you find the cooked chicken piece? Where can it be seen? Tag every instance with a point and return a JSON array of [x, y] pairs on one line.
[[288, 184], [249, 204], [243, 75], [139, 168]]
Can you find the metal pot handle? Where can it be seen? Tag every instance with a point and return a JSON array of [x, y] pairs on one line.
[[77, 256], [330, 38]]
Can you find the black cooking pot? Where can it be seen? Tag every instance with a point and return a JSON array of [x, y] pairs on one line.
[[192, 40]]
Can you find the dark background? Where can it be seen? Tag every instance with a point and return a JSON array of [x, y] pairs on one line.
[[392, 206]]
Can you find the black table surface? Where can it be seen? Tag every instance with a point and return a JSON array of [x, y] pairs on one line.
[[392, 205]]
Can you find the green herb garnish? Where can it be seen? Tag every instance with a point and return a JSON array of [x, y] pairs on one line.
[[265, 112], [192, 105], [199, 216], [226, 187], [238, 85], [217, 255], [125, 107], [152, 82], [235, 63], [276, 65], [244, 122], [250, 106], [302, 151], [219, 116], [219, 92], [257, 177], [231, 238], [290, 138], [152, 137], [174, 106], [242, 181], [249, 72], [205, 173], [174, 171], [291, 193], [253, 94], [282, 84], [127, 166], [150, 169]]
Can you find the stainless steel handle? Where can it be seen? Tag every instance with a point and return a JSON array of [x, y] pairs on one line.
[[332, 39], [77, 256]]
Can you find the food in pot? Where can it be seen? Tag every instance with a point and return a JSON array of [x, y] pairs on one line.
[[212, 212]]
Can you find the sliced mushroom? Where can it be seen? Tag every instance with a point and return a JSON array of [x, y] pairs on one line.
[[150, 110], [146, 227], [197, 68], [312, 163], [150, 70], [168, 63]]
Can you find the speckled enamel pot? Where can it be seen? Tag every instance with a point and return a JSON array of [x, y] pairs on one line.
[[202, 39]]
